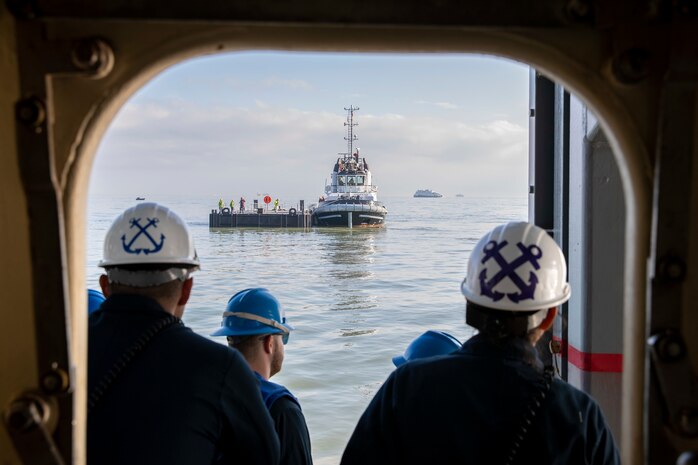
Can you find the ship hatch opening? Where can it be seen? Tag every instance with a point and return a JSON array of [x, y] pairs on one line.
[[498, 140]]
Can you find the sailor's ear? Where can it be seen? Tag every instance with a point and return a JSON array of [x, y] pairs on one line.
[[186, 291], [549, 319], [268, 343], [104, 284]]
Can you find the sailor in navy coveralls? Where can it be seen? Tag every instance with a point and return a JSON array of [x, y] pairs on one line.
[[158, 392], [255, 324], [490, 402]]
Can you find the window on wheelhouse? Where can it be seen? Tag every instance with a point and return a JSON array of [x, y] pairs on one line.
[[350, 180]]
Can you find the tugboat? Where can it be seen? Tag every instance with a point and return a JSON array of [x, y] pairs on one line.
[[351, 199], [426, 193]]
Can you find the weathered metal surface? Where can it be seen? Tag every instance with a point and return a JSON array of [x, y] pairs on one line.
[[590, 46], [544, 13], [673, 385]]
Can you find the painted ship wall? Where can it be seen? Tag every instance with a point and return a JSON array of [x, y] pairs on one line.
[[576, 194]]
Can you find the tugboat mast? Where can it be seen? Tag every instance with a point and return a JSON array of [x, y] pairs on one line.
[[351, 137]]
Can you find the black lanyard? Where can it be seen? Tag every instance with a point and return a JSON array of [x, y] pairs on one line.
[[529, 414], [126, 358]]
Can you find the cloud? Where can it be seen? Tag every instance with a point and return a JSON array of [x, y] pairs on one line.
[[175, 145], [444, 105]]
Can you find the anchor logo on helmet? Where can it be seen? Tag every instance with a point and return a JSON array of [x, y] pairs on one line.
[[143, 230], [529, 254]]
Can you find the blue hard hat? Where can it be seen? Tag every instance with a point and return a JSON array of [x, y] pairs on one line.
[[94, 300], [253, 311], [429, 344]]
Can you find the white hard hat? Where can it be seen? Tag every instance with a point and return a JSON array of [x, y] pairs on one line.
[[516, 267], [149, 234]]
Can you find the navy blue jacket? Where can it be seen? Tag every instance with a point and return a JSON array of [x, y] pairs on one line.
[[289, 422], [182, 400], [467, 407]]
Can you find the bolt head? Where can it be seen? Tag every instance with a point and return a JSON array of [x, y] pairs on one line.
[[671, 269], [94, 56], [55, 381], [30, 111], [21, 416], [631, 66], [670, 347], [86, 54]]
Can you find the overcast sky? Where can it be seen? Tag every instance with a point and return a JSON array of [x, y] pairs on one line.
[[245, 123]]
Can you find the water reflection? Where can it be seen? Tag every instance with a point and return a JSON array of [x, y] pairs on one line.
[[349, 247], [350, 255], [262, 242]]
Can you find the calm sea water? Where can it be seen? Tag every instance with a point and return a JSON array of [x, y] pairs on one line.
[[356, 297]]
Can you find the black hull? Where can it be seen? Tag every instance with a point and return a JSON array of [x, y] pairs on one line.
[[340, 219]]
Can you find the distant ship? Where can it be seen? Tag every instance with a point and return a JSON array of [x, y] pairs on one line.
[[140, 198], [351, 199], [460, 195], [426, 193]]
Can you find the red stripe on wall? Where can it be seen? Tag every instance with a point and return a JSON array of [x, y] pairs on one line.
[[587, 361]]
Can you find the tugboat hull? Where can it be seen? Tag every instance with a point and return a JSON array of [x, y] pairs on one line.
[[337, 215]]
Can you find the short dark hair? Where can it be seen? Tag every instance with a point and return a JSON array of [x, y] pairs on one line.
[[497, 324], [162, 291], [245, 344]]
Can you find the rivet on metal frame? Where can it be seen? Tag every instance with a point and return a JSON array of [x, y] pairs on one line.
[[671, 268], [631, 66], [669, 346], [55, 381], [93, 56], [31, 111]]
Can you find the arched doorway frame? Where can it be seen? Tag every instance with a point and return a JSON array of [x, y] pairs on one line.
[[81, 110]]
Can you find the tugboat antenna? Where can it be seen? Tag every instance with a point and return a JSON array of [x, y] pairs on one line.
[[351, 137]]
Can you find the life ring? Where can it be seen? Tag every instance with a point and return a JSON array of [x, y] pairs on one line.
[[225, 210], [292, 211]]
